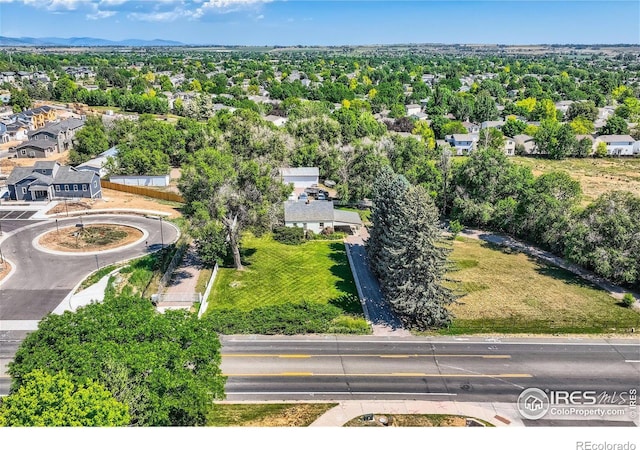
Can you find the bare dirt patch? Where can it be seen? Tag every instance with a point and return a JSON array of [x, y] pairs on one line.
[[91, 238], [118, 200], [5, 268]]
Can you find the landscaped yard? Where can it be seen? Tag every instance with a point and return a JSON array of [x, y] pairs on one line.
[[596, 176], [513, 293], [310, 283]]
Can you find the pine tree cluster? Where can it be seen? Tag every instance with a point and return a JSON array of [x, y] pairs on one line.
[[408, 253]]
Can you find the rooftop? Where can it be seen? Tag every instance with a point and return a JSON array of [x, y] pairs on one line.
[[300, 172]]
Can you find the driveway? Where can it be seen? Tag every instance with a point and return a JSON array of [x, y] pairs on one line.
[[376, 308], [42, 280]]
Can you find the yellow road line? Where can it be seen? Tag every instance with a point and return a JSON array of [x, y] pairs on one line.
[[400, 374], [416, 355]]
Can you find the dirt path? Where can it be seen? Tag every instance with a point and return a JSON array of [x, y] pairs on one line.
[[507, 241]]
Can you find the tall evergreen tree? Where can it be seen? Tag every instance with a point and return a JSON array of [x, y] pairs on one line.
[[407, 253], [418, 263], [386, 192]]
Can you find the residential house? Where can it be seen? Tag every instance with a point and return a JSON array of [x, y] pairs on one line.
[[413, 109], [318, 215], [471, 127], [527, 142], [7, 77], [63, 132], [563, 105], [5, 96], [37, 148], [300, 177], [429, 79], [492, 124], [618, 145], [4, 134], [17, 131], [98, 163], [463, 144], [509, 146], [276, 120], [22, 76], [47, 180]]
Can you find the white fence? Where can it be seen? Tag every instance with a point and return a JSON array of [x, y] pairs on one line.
[[141, 180], [204, 303]]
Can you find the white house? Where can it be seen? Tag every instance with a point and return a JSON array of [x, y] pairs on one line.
[[300, 177], [413, 109], [509, 146], [319, 214], [97, 164], [462, 143], [618, 145], [276, 120]]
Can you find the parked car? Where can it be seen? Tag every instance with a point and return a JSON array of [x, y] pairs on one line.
[[303, 197], [321, 196]]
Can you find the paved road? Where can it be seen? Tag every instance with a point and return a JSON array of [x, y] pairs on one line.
[[42, 280], [377, 309], [440, 369]]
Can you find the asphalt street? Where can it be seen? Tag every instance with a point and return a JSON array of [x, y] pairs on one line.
[[42, 280], [476, 370]]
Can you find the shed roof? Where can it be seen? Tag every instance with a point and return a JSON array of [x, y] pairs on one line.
[[300, 172]]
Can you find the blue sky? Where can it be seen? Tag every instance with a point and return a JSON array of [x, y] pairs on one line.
[[333, 22]]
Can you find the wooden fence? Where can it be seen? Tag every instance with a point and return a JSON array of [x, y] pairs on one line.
[[140, 190]]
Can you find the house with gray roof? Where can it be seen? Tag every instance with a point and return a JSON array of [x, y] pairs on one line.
[[63, 132], [37, 148], [48, 180], [317, 215]]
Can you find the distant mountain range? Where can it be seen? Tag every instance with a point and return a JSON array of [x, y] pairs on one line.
[[82, 42]]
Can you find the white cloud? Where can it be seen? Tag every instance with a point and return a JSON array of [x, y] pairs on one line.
[[99, 14], [223, 6], [160, 16]]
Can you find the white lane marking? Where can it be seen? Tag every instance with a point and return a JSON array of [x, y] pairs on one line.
[[382, 341], [342, 393], [632, 360]]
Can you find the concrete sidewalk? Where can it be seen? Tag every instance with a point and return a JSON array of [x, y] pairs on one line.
[[497, 414]]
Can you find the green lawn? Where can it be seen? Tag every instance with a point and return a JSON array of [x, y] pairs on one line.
[[287, 289], [509, 292], [316, 271]]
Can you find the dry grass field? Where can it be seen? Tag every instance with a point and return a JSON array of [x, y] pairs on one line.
[[266, 415], [596, 176], [510, 292], [93, 237]]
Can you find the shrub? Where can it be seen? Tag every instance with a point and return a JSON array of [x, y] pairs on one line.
[[628, 300], [289, 235], [301, 318], [455, 227]]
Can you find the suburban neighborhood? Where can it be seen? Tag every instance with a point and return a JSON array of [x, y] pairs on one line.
[[407, 235]]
